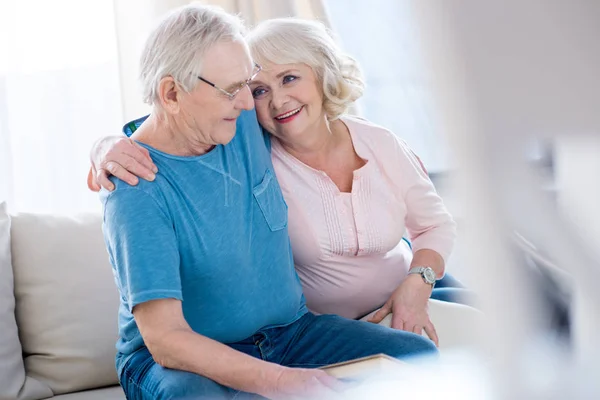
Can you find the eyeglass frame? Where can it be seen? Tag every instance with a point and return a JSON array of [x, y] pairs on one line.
[[231, 96]]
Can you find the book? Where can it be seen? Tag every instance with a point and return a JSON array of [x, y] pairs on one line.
[[361, 368]]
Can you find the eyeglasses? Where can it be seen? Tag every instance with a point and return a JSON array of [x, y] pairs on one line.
[[231, 94]]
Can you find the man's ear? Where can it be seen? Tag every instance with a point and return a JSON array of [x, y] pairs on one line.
[[169, 93]]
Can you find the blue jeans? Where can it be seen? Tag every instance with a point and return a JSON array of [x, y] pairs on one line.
[[310, 342], [450, 289]]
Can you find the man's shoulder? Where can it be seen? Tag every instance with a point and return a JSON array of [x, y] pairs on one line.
[[143, 195], [251, 140], [248, 119]]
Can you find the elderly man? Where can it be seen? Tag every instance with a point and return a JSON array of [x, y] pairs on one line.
[[211, 305]]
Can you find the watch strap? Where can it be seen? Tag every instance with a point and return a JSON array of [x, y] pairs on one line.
[[421, 271]]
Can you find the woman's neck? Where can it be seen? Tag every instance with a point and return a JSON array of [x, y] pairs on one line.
[[315, 147]]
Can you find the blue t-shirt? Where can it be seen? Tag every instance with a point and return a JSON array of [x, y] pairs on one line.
[[211, 231]]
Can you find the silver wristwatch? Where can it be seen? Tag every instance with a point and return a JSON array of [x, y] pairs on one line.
[[427, 273]]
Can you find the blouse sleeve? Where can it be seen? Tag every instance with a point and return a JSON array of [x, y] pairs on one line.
[[428, 222]]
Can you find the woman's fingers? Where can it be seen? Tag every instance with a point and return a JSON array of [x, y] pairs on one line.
[[381, 314], [138, 165], [103, 181], [400, 321], [92, 181], [418, 329], [131, 156], [141, 155], [430, 331], [121, 173]]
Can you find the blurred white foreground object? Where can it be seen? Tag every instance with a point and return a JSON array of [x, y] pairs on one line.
[[502, 73]]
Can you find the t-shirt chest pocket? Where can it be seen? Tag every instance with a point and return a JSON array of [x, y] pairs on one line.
[[270, 201]]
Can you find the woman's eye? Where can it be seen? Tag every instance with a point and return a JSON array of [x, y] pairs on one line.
[[258, 92], [289, 78]]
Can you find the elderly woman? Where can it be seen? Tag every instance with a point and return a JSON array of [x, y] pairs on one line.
[[207, 309], [352, 188]]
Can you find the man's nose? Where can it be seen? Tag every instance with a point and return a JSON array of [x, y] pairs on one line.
[[244, 100]]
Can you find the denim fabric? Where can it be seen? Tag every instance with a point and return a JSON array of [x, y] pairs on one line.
[[452, 290], [310, 342]]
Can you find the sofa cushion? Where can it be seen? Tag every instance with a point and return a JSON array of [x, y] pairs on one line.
[[13, 381], [66, 301], [111, 393], [457, 325]]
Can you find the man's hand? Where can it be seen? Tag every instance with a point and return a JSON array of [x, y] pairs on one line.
[[408, 305], [121, 157], [293, 383]]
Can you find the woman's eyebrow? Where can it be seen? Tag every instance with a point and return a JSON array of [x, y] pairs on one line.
[[287, 71], [279, 75]]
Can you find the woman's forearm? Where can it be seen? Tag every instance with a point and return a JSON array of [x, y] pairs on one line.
[[186, 350], [429, 258]]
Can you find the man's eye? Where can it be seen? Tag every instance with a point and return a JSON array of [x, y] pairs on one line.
[[258, 92], [289, 78], [234, 88]]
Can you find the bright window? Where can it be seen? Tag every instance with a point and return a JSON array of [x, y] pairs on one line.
[[381, 35]]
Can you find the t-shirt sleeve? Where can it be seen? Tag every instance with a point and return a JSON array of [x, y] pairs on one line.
[[428, 222], [142, 247]]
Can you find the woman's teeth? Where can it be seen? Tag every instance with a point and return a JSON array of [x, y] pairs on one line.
[[289, 114]]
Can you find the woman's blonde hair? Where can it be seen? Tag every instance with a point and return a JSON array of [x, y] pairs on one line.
[[296, 41]]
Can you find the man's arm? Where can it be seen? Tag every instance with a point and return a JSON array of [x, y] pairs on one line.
[[173, 344]]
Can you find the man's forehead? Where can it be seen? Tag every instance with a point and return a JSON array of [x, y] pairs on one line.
[[228, 62]]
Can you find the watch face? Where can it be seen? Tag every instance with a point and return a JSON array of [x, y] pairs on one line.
[[429, 275]]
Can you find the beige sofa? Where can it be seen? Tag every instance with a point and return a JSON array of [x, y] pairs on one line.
[[58, 321]]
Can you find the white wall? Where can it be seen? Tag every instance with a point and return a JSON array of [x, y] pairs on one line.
[[135, 19]]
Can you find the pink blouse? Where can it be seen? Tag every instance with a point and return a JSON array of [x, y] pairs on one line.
[[348, 247]]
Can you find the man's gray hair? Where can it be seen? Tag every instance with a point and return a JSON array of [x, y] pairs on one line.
[[298, 41], [177, 45]]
